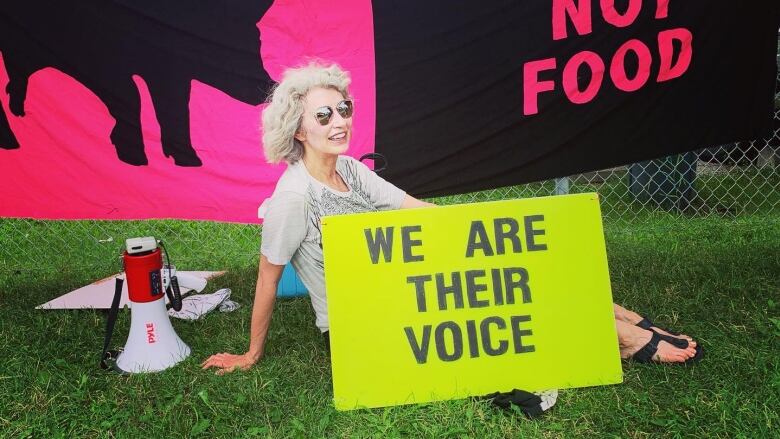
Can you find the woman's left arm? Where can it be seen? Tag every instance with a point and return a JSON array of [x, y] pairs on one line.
[[410, 203]]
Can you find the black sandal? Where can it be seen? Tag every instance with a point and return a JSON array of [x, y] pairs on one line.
[[679, 343], [646, 353]]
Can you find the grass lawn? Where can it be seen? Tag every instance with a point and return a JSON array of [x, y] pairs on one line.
[[716, 278]]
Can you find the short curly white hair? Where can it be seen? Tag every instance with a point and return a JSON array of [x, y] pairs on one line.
[[284, 113]]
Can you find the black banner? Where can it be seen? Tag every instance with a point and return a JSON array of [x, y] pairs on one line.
[[476, 95]]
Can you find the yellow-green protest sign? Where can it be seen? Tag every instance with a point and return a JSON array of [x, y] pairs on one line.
[[455, 301]]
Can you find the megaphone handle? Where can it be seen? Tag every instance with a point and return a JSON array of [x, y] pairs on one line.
[[112, 313], [174, 293]]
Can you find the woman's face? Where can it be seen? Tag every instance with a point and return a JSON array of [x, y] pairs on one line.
[[331, 138]]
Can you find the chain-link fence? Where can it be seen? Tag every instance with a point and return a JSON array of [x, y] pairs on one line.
[[741, 178]]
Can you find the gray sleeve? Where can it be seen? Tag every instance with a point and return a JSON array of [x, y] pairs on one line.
[[383, 194], [284, 227]]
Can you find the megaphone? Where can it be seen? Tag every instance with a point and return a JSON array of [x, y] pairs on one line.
[[152, 344]]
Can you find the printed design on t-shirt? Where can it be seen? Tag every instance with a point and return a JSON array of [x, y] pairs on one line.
[[332, 204], [327, 203], [352, 178]]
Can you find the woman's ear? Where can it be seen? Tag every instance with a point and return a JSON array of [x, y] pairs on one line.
[[300, 135]]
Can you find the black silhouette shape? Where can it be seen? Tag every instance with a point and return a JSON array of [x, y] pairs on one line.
[[102, 43]]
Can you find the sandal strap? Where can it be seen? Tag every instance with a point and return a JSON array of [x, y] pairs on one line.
[[645, 353], [679, 343], [645, 323]]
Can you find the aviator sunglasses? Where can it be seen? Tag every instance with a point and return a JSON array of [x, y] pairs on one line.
[[325, 114]]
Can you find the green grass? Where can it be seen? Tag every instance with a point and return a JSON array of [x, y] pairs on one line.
[[716, 278], [96, 245]]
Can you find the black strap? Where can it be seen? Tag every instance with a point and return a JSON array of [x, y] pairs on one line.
[[679, 343], [645, 323], [645, 353], [110, 323], [375, 156], [173, 291]]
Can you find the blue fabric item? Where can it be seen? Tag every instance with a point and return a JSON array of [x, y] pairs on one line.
[[290, 285]]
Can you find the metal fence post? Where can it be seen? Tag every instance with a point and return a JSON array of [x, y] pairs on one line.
[[562, 186]]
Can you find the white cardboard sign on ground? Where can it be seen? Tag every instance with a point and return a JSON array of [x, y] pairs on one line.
[[100, 294]]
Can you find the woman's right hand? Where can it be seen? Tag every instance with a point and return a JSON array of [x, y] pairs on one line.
[[265, 294], [225, 362]]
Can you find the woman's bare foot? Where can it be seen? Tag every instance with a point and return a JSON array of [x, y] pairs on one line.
[[632, 318], [633, 338]]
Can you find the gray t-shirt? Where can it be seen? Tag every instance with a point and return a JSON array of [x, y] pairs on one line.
[[292, 219]]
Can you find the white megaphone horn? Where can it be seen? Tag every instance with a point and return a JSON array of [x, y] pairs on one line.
[[152, 345]]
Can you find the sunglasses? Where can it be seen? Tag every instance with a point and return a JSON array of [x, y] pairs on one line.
[[325, 114]]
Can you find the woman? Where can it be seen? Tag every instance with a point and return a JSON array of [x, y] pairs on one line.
[[308, 124]]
